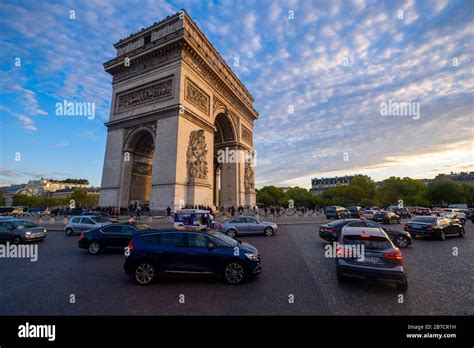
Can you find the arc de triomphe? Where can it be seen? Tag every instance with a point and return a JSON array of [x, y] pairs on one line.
[[181, 123]]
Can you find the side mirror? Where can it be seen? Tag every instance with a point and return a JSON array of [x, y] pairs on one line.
[[210, 246]]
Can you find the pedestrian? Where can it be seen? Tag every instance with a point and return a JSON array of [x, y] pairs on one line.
[[168, 211]]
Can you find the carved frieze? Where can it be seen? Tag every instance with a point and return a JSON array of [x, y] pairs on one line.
[[144, 95], [196, 156], [246, 135], [196, 96], [152, 61]]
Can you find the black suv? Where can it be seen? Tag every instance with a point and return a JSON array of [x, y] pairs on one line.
[[155, 252], [336, 212]]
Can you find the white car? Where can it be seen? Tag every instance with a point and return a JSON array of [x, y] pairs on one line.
[[80, 224], [458, 214], [369, 214]]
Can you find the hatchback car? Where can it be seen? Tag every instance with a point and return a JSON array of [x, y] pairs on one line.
[[18, 231], [182, 252], [369, 253], [336, 212], [80, 224], [386, 217], [434, 227], [246, 225], [111, 236]]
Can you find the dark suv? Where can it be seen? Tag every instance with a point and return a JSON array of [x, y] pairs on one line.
[[155, 252], [336, 212], [355, 211], [369, 253], [386, 217]]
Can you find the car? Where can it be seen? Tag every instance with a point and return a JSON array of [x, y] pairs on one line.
[[115, 236], [246, 225], [386, 217], [17, 231], [331, 231], [102, 214], [434, 227], [400, 238], [336, 212], [369, 214], [80, 224], [456, 214], [369, 253], [421, 211], [355, 211], [404, 213], [184, 252]]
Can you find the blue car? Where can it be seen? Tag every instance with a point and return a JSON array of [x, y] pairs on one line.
[[158, 252]]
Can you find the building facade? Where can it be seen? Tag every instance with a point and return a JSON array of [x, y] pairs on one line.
[[175, 105]]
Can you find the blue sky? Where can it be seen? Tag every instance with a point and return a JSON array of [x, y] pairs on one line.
[[333, 62]]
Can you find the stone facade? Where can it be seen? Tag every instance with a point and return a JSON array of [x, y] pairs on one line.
[[175, 105]]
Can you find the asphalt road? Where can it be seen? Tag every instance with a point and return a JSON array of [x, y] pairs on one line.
[[296, 280]]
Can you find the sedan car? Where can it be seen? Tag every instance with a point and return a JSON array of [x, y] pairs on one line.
[[355, 211], [369, 253], [80, 224], [434, 227], [182, 252], [400, 238], [369, 214], [386, 217], [246, 225], [18, 231], [336, 212], [332, 230], [111, 236]]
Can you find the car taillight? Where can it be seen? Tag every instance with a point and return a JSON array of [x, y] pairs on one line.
[[218, 226], [364, 235], [330, 230], [430, 227], [82, 236], [405, 227], [130, 245], [396, 255], [339, 250]]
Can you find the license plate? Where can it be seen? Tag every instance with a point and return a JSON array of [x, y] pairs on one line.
[[369, 259]]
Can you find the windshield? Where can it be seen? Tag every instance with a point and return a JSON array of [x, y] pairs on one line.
[[225, 239], [25, 224]]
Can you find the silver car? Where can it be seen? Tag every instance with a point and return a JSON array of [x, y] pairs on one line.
[[246, 225], [79, 224]]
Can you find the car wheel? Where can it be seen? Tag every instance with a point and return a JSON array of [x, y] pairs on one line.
[[268, 231], [462, 232], [68, 232], [403, 286], [401, 241], [94, 248], [234, 273], [442, 235], [145, 273], [16, 240], [231, 233]]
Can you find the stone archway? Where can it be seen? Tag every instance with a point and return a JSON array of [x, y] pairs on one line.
[[137, 169], [225, 170], [175, 103]]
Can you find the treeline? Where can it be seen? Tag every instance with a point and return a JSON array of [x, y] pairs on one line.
[[362, 191], [80, 197], [71, 181]]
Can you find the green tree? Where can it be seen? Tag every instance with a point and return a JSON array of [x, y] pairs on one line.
[[274, 192], [2, 196], [264, 198], [445, 191]]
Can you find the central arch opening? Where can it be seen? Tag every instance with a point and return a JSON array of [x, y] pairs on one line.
[[141, 153], [224, 142]]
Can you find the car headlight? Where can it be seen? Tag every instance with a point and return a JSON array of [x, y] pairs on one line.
[[251, 256], [28, 234]]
